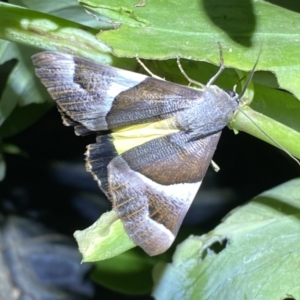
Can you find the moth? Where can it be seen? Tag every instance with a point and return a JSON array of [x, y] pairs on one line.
[[154, 139]]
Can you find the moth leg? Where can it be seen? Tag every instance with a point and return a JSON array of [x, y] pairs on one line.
[[147, 70], [215, 167], [190, 80]]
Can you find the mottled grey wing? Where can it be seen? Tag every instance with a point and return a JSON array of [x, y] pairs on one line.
[[99, 97], [83, 90]]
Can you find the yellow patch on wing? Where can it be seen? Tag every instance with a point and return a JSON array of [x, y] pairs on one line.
[[128, 137]]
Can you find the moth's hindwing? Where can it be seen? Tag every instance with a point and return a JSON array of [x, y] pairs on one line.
[[152, 185]]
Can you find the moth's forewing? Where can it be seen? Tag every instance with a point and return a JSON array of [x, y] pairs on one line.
[[83, 90]]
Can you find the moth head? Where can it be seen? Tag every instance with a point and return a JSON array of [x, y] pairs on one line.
[[234, 96]]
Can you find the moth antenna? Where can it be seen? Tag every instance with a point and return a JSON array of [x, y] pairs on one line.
[[212, 80], [272, 139], [190, 80], [235, 86], [250, 119], [146, 69], [249, 77], [222, 67]]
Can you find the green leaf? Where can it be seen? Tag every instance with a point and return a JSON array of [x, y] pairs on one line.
[[191, 29], [106, 238], [122, 273], [269, 130], [19, 90], [44, 31], [257, 258], [66, 9], [11, 149]]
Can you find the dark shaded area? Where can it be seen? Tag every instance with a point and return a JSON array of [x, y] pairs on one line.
[[40, 264], [235, 17], [215, 248], [5, 71], [252, 166], [49, 185], [293, 5]]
